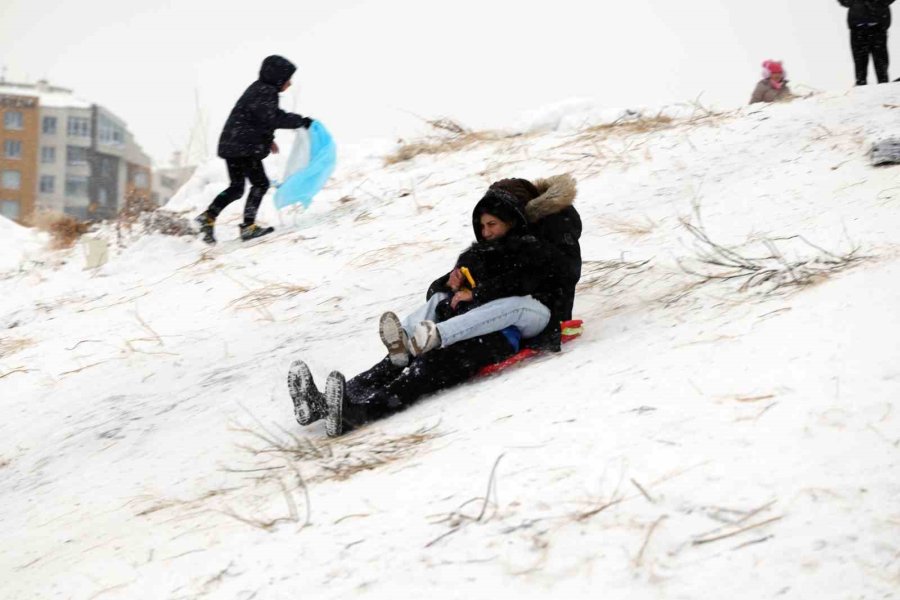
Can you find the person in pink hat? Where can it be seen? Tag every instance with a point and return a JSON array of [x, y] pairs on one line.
[[773, 86]]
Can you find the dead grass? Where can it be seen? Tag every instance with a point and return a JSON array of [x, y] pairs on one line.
[[603, 275], [439, 145], [449, 136], [267, 295], [338, 459], [64, 230], [765, 266], [630, 126], [9, 346], [394, 252], [630, 227]]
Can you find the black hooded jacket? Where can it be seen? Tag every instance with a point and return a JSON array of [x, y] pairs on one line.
[[872, 13], [250, 128], [518, 264]]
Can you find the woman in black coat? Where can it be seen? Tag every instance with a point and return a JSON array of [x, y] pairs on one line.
[[513, 263]]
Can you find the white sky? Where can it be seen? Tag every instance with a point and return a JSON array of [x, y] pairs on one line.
[[364, 66]]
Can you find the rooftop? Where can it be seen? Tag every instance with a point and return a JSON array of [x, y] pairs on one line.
[[48, 95]]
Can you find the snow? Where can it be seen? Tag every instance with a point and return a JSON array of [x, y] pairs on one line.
[[17, 244], [699, 440], [50, 99]]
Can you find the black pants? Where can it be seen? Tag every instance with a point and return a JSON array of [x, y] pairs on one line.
[[385, 388], [865, 41], [238, 170]]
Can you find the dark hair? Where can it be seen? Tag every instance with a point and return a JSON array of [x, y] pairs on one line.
[[522, 189]]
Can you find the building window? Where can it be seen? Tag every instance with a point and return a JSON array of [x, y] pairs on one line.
[[13, 120], [48, 125], [109, 132], [79, 127], [76, 186], [141, 180], [12, 148], [12, 180], [9, 209], [76, 155], [48, 184], [48, 154]]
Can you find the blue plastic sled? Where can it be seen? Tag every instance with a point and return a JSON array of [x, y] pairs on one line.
[[309, 166]]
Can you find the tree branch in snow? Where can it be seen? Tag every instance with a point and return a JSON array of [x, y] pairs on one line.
[[769, 270]]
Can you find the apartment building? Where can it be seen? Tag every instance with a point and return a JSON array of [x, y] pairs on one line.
[[19, 117], [86, 159]]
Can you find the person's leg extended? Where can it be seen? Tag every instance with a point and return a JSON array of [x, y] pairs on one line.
[[525, 313], [259, 182], [425, 312], [236, 174], [446, 367]]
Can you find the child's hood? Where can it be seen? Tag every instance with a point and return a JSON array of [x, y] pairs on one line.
[[276, 70]]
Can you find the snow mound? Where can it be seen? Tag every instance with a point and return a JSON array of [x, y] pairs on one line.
[[17, 244]]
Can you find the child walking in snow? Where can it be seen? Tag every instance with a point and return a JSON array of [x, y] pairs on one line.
[[248, 137]]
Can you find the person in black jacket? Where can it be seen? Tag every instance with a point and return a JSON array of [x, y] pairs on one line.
[[505, 261], [869, 21], [551, 217], [248, 137]]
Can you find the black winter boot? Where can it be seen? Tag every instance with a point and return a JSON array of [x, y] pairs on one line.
[[309, 403], [253, 231], [207, 225], [334, 404]]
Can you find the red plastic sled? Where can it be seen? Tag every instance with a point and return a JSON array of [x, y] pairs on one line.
[[570, 330]]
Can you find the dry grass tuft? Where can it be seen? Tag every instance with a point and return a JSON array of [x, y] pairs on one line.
[[9, 346], [602, 275], [632, 228], [341, 458], [440, 145], [394, 252], [450, 137], [267, 295], [64, 230], [767, 268], [630, 125]]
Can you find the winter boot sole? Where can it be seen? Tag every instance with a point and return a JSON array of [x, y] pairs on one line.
[[392, 336], [334, 404], [303, 393]]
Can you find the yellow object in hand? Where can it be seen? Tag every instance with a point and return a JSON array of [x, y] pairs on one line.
[[467, 275]]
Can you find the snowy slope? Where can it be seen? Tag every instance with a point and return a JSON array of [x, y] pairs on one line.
[[699, 441]]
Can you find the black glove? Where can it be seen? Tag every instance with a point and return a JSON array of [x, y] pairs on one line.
[[305, 122]]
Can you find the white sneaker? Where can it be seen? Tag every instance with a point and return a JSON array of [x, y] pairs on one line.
[[394, 339], [426, 337]]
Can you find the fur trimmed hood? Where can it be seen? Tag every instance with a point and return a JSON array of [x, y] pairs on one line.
[[556, 193]]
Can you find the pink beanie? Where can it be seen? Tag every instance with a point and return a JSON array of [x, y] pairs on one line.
[[770, 67]]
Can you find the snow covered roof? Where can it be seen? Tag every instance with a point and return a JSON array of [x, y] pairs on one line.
[[49, 96]]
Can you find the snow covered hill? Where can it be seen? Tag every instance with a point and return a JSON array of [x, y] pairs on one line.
[[705, 438]]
